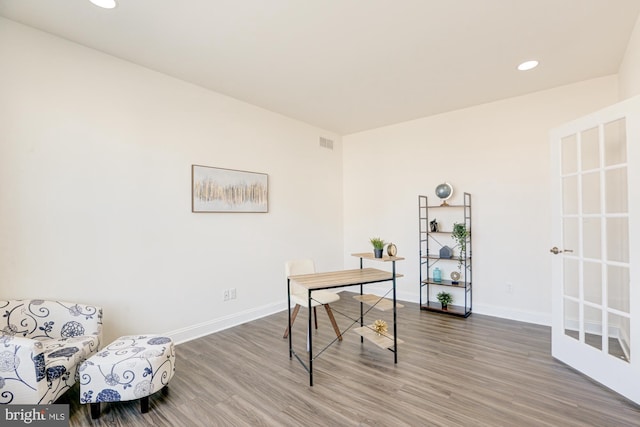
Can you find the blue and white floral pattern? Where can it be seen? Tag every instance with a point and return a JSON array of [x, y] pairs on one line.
[[42, 344], [129, 368], [108, 395]]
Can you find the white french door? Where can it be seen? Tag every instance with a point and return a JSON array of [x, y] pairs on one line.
[[595, 246]]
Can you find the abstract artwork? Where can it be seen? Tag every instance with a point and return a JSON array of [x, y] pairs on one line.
[[228, 190]]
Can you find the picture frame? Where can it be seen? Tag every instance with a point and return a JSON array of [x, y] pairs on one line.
[[228, 190]]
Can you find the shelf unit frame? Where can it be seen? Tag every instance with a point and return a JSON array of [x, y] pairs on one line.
[[429, 240]]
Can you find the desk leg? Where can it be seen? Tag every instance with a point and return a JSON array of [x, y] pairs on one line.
[[289, 311], [309, 342], [361, 311], [395, 332]]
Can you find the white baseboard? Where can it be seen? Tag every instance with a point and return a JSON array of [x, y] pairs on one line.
[[502, 312], [537, 318], [215, 325]]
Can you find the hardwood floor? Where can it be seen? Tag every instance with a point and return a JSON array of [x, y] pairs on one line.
[[479, 371]]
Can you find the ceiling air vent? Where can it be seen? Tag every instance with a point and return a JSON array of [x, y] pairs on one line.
[[326, 143]]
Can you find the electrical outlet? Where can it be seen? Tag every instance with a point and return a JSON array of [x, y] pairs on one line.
[[232, 293], [226, 294]]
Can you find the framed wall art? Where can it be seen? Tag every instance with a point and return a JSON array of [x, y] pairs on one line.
[[228, 190]]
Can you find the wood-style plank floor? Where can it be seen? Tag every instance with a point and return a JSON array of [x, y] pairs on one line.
[[479, 371]]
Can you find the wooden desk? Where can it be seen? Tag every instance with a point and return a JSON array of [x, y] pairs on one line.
[[338, 279]]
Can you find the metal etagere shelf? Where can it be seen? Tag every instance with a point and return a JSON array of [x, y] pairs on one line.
[[430, 244]]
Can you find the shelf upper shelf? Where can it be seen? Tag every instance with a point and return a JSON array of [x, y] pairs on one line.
[[442, 232], [454, 258], [446, 206], [371, 256], [444, 282]]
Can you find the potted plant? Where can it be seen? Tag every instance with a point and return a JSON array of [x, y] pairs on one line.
[[378, 246], [460, 235], [445, 299]]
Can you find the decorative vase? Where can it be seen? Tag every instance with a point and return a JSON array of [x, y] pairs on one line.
[[437, 275], [444, 306], [377, 253]]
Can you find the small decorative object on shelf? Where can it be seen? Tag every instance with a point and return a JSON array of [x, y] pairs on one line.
[[437, 275], [446, 252], [378, 246], [434, 226], [445, 299], [380, 326], [392, 250], [444, 191], [455, 276]]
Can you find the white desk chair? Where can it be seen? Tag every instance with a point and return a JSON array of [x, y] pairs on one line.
[[299, 295]]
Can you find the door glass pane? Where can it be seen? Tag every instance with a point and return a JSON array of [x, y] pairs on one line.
[[571, 284], [592, 279], [571, 319], [569, 147], [591, 236], [591, 193], [615, 142], [589, 149], [570, 195], [620, 337], [570, 235], [593, 327], [618, 288], [616, 190], [618, 239]]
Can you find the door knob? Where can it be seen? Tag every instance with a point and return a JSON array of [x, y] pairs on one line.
[[554, 250]]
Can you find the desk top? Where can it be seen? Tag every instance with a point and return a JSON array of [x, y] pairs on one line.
[[336, 279]]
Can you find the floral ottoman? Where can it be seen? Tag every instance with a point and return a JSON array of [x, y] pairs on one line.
[[131, 367]]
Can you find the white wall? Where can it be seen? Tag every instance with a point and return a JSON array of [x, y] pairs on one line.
[[629, 71], [498, 152], [95, 158]]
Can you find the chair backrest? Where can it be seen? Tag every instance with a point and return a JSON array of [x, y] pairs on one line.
[[299, 266], [41, 319]]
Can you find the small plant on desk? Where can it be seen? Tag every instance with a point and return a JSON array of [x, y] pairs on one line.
[[378, 246]]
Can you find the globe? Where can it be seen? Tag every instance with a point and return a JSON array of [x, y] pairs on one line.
[[444, 191]]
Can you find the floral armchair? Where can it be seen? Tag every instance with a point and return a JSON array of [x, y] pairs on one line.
[[42, 344]]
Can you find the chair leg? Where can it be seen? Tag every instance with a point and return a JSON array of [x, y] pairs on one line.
[[144, 404], [95, 410], [315, 317], [293, 318], [333, 322]]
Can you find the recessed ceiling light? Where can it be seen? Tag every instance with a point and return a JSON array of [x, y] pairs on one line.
[[528, 65], [107, 4]]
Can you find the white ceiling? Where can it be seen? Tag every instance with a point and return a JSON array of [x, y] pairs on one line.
[[352, 65]]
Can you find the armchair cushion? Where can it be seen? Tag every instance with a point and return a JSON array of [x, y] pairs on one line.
[[68, 353]]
